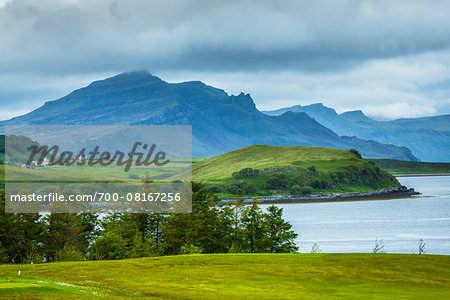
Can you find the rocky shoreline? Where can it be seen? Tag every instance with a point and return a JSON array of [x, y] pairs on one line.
[[393, 193]]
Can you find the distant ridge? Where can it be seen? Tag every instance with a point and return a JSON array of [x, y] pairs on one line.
[[427, 137], [221, 122]]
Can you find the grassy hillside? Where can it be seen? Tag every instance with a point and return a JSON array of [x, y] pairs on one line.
[[17, 148], [411, 167], [263, 169], [262, 156], [236, 276]]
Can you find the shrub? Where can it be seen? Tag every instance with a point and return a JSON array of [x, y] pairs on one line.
[[378, 247], [316, 184], [315, 248], [313, 170], [250, 189], [69, 253], [110, 245], [234, 188], [34, 255], [245, 173], [306, 190], [422, 245], [296, 189], [235, 249], [215, 189], [354, 151], [190, 249], [277, 181]]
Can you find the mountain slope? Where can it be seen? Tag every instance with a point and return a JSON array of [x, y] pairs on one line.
[[428, 137], [220, 122], [326, 116]]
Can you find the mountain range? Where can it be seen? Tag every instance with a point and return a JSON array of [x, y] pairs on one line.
[[220, 122], [427, 137]]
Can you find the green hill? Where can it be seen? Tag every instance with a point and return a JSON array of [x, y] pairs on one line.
[[235, 276], [261, 169], [18, 148]]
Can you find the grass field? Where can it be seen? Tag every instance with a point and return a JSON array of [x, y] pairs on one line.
[[95, 173], [411, 167], [236, 276]]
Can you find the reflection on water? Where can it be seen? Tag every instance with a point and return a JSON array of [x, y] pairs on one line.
[[400, 223]]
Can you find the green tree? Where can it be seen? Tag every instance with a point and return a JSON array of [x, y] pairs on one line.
[[110, 245], [9, 233], [20, 234], [280, 234], [213, 231], [64, 229], [232, 222], [34, 255], [150, 228], [206, 227], [190, 249], [177, 231], [356, 153], [4, 258], [69, 253], [29, 236], [255, 229]]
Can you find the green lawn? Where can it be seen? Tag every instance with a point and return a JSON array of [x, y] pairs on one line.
[[236, 276]]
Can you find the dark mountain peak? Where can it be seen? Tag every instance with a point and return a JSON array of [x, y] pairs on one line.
[[314, 110], [133, 74], [193, 83], [298, 117], [320, 108], [115, 84], [132, 78], [245, 96], [356, 116], [292, 114], [319, 105], [354, 113], [197, 89], [244, 100]]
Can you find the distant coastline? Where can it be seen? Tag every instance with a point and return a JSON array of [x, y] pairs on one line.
[[402, 168], [383, 194], [421, 174]]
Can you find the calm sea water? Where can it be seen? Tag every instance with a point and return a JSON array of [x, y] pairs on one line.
[[400, 223]]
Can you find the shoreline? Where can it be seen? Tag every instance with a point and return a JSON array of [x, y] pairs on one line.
[[420, 175], [385, 194]]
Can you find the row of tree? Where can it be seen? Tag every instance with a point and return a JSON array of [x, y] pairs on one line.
[[209, 228]]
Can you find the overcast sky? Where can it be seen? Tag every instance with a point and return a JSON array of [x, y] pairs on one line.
[[389, 58]]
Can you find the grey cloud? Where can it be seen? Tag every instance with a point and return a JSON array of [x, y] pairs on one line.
[[350, 54], [82, 36]]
